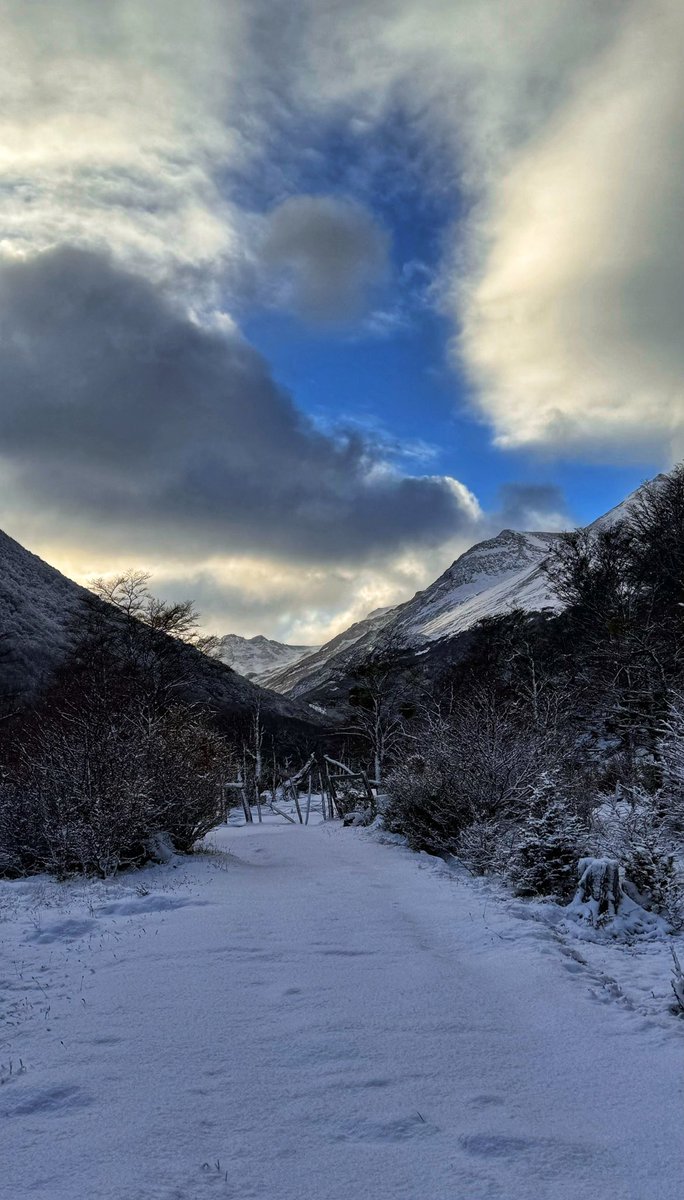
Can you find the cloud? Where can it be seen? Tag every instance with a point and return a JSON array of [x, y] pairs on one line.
[[572, 327], [300, 603], [559, 129], [559, 126], [116, 122], [532, 506], [141, 146], [327, 254], [121, 413]]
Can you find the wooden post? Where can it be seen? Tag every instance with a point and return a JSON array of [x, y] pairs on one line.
[[243, 791], [308, 802], [322, 788], [280, 813], [369, 791], [295, 797], [331, 793], [245, 806]]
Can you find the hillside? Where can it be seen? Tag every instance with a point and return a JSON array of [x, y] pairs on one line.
[[38, 628], [332, 658], [37, 605]]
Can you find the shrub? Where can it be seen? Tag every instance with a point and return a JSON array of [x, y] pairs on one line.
[[93, 786], [550, 842], [424, 802], [486, 846], [635, 827], [186, 763]]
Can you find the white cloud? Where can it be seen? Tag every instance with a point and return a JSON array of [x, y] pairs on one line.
[[573, 325], [563, 126], [114, 123]]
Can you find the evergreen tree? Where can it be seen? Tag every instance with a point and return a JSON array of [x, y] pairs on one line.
[[551, 842]]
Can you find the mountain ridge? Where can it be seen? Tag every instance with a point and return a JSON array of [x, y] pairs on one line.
[[491, 577]]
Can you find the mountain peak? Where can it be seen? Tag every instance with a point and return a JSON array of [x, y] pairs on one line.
[[257, 656]]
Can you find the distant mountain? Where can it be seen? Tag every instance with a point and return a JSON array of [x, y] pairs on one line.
[[623, 509], [259, 656], [38, 628], [492, 577], [495, 576]]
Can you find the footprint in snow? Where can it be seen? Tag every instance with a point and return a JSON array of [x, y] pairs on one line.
[[541, 1156], [486, 1101], [62, 931], [59, 1098]]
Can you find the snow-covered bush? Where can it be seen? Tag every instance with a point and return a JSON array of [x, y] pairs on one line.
[[654, 879], [477, 765], [185, 762], [599, 888], [550, 841], [671, 758], [20, 827], [82, 791], [424, 802], [634, 827], [95, 785], [349, 797], [485, 847]]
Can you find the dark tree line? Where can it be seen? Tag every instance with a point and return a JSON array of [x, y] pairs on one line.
[[566, 727]]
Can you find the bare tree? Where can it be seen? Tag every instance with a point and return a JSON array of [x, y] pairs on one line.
[[381, 708], [130, 593]]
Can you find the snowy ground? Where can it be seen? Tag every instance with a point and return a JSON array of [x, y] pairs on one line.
[[309, 1013]]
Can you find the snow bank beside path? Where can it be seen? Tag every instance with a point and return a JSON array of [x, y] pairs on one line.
[[308, 1013]]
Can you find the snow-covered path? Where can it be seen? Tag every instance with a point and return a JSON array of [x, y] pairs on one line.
[[318, 1017]]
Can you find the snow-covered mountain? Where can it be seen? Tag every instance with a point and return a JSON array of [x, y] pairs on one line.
[[492, 577], [258, 656], [495, 576], [340, 651]]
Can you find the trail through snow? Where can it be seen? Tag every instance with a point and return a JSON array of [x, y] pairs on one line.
[[318, 1016]]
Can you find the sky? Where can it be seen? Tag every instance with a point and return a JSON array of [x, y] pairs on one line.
[[300, 299]]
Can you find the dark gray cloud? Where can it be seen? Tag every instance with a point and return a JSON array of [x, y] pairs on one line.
[[533, 506], [119, 410], [326, 256]]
